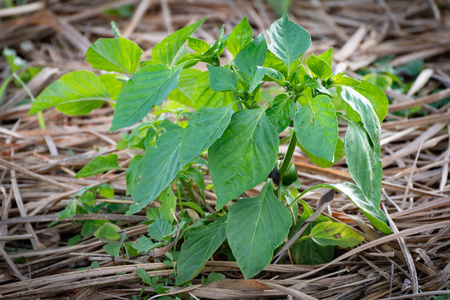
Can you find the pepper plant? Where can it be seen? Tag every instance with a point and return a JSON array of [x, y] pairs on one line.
[[228, 124]]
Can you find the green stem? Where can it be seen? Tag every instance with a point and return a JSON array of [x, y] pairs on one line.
[[189, 190], [179, 196], [238, 101]]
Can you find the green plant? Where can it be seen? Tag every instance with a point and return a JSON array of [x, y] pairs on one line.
[[239, 132]]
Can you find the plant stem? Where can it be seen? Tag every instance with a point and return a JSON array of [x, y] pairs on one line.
[[288, 157], [179, 196]]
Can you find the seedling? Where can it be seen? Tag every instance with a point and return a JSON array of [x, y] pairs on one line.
[[235, 130]]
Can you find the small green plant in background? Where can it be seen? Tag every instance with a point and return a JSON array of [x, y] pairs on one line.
[[215, 121]]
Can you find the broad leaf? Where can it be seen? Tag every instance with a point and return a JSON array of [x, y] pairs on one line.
[[108, 231], [240, 37], [113, 249], [335, 234], [244, 155], [112, 84], [222, 79], [251, 56], [69, 211], [313, 84], [256, 226], [130, 174], [169, 203], [370, 209], [266, 74], [147, 87], [157, 168], [204, 127], [306, 252], [185, 89], [274, 63], [212, 277], [144, 276], [114, 55], [339, 153], [204, 96], [160, 229], [99, 165], [364, 162], [144, 244], [319, 67], [75, 93], [316, 127], [197, 45], [288, 40], [199, 245], [376, 96], [172, 48], [281, 112], [327, 56], [364, 108]]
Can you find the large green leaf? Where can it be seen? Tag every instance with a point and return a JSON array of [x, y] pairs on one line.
[[185, 89], [339, 153], [199, 46], [114, 55], [364, 162], [281, 112], [251, 56], [319, 67], [327, 56], [244, 155], [222, 79], [335, 234], [172, 48], [157, 168], [199, 245], [168, 202], [376, 96], [306, 252], [112, 84], [364, 108], [99, 165], [147, 87], [240, 37], [316, 127], [75, 93], [204, 96], [130, 174], [256, 226], [266, 74], [288, 40], [204, 127], [370, 209]]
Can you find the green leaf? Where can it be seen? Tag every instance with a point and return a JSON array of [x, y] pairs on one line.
[[327, 56], [147, 87], [108, 231], [306, 252], [281, 112], [105, 190], [75, 93], [69, 211], [172, 48], [130, 174], [319, 67], [185, 89], [160, 229], [323, 163], [212, 277], [341, 79], [144, 276], [222, 79], [197, 176], [335, 234], [74, 240], [313, 84], [204, 96], [90, 226], [112, 84], [252, 56], [156, 170], [364, 108], [288, 40], [244, 155], [199, 245], [144, 244], [114, 55], [266, 74], [199, 46], [370, 209], [256, 226], [113, 249], [204, 127], [274, 63], [364, 162], [169, 202], [376, 96], [316, 127], [240, 37], [99, 165]]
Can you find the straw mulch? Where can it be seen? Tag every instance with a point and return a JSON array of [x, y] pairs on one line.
[[37, 166]]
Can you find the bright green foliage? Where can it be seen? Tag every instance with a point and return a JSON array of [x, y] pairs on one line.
[[244, 155], [335, 234], [288, 40], [219, 115], [115, 55], [99, 165], [146, 88], [200, 244], [76, 93], [316, 127], [256, 226]]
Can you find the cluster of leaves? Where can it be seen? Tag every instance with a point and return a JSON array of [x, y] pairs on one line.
[[239, 132]]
